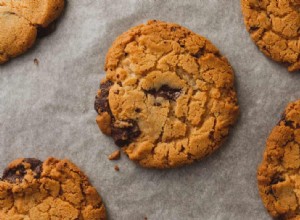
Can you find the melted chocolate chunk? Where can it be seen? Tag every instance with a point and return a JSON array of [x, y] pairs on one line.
[[289, 124], [286, 122], [138, 110], [199, 53], [35, 166], [277, 179], [45, 31], [12, 174], [252, 29], [101, 102], [166, 92], [124, 136], [121, 136]]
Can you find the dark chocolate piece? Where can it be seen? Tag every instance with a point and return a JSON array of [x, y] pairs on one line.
[[12, 174], [286, 122], [35, 166], [199, 53], [166, 92], [277, 179], [101, 102], [123, 136], [252, 29]]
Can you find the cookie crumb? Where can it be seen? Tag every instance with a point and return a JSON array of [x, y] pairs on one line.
[[36, 61], [117, 168], [115, 155]]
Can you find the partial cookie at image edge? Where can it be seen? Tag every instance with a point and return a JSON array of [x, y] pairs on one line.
[[274, 28], [22, 24], [30, 188], [278, 174]]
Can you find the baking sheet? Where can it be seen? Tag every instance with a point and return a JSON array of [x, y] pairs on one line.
[[47, 110]]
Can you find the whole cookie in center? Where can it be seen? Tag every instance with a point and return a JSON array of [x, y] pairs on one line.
[[274, 25], [168, 97]]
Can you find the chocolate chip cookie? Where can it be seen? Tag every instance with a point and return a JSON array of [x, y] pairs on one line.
[[278, 175], [21, 21], [275, 27], [53, 189], [168, 97]]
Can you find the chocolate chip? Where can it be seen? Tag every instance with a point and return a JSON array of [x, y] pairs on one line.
[[12, 174], [33, 162], [199, 53], [101, 102], [289, 124], [286, 122], [121, 136], [166, 92], [124, 136], [276, 179], [35, 166], [252, 29], [138, 110], [45, 31]]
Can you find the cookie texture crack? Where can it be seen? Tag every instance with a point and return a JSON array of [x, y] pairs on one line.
[[278, 175], [274, 26], [170, 92]]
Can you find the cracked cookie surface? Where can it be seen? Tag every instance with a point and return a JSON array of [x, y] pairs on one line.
[[274, 25], [54, 189], [21, 21], [168, 98], [278, 175]]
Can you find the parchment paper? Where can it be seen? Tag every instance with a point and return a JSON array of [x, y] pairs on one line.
[[47, 110]]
